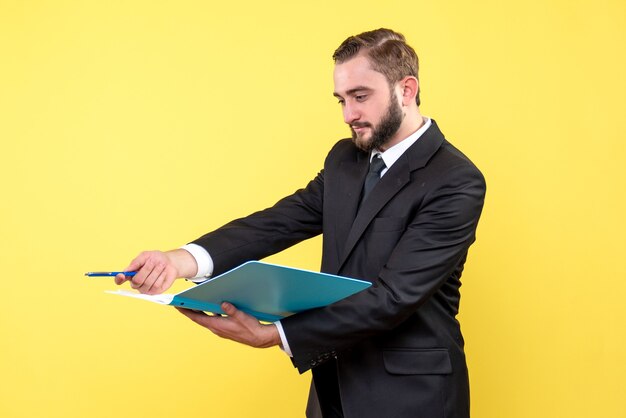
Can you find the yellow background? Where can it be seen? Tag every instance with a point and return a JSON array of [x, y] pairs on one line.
[[133, 125]]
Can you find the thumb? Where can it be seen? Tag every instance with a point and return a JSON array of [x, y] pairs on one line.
[[121, 278], [230, 310]]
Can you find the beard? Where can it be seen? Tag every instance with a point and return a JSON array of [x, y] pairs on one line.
[[382, 133]]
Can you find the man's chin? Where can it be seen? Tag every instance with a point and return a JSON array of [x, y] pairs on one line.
[[362, 142]]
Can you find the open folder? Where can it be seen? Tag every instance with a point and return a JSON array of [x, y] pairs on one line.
[[266, 291]]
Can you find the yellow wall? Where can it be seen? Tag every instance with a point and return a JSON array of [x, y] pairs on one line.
[[132, 125]]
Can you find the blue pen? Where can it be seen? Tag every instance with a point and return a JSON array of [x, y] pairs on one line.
[[110, 273]]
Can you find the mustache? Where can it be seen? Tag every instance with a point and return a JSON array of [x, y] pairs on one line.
[[360, 125]]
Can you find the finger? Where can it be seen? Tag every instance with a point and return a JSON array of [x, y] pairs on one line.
[[229, 309], [121, 278], [202, 319], [239, 316], [238, 326], [191, 314], [143, 267], [152, 277], [137, 280], [149, 264], [213, 322], [164, 281], [156, 287]]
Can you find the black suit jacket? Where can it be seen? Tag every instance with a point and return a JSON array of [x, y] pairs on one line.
[[394, 349]]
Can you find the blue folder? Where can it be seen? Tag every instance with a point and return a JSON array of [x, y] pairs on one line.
[[266, 291]]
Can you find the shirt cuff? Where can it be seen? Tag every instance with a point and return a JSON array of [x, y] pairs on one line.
[[285, 344], [203, 260]]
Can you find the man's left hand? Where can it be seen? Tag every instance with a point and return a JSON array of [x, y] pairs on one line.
[[237, 326]]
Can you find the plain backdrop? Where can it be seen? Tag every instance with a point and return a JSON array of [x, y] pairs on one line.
[[135, 125]]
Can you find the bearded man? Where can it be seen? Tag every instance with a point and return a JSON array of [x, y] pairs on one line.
[[398, 206]]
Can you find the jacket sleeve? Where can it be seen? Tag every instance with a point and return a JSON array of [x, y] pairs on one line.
[[292, 219]]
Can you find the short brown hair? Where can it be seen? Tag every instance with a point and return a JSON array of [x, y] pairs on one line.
[[387, 51]]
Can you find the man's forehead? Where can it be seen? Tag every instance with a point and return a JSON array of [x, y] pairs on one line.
[[354, 73], [354, 66]]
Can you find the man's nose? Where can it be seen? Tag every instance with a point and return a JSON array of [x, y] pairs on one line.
[[350, 114]]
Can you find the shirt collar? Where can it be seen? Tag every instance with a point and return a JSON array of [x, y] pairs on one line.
[[391, 155]]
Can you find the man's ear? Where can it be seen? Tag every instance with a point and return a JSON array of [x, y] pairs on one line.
[[409, 88]]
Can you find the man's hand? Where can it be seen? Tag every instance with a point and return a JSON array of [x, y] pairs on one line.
[[238, 326], [156, 270]]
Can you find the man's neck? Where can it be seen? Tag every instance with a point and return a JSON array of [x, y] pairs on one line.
[[411, 123]]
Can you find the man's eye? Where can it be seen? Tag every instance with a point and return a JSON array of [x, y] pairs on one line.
[[360, 97], [341, 102]]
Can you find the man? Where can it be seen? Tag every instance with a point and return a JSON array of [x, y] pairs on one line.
[[398, 205]]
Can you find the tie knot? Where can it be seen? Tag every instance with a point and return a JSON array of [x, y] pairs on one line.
[[377, 165]]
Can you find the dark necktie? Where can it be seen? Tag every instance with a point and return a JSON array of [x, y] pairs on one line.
[[373, 175]]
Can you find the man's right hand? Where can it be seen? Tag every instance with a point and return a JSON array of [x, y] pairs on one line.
[[157, 270]]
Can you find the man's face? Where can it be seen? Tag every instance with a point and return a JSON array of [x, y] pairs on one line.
[[370, 106]]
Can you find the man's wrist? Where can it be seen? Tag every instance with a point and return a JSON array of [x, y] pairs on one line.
[[183, 262], [274, 336]]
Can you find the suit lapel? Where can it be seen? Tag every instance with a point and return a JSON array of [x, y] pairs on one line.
[[416, 157], [390, 184], [353, 172]]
